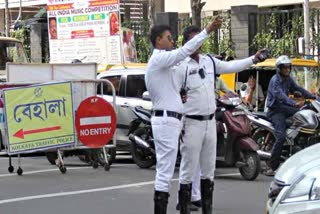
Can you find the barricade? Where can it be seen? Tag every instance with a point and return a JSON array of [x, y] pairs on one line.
[[57, 114]]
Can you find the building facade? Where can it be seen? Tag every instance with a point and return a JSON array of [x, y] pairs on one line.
[[184, 6]]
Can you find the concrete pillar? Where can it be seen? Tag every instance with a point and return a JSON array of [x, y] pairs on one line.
[[35, 43], [171, 19], [159, 6], [243, 29]]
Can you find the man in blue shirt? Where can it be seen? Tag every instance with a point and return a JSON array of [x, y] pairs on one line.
[[280, 106]]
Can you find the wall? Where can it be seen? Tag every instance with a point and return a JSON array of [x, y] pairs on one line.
[[183, 6], [16, 3]]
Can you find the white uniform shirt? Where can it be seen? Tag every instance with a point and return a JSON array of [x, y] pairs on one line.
[[201, 93], [254, 97], [162, 79]]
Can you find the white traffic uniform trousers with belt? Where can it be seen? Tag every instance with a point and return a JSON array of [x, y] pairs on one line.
[[198, 147], [166, 131]]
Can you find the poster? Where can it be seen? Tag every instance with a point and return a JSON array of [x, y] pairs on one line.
[[129, 45], [88, 30], [39, 117]]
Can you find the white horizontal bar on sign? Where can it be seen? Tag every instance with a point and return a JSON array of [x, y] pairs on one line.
[[95, 120]]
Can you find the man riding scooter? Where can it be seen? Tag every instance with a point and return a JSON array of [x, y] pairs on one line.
[[280, 106]]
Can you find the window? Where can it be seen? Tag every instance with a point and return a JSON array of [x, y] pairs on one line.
[[106, 88], [135, 86]]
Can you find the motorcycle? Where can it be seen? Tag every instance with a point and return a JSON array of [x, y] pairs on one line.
[[303, 131], [142, 144], [235, 147], [140, 134]]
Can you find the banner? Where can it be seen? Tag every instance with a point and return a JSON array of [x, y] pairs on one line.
[[88, 30], [39, 117]]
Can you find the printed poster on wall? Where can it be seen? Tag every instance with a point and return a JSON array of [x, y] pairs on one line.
[[129, 45], [88, 30]]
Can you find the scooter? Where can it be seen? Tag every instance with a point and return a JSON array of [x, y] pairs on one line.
[[235, 147], [140, 134], [303, 130]]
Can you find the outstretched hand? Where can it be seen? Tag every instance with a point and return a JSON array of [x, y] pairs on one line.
[[261, 55], [215, 24]]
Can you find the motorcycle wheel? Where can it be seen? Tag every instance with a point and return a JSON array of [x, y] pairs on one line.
[[252, 168], [142, 158], [98, 155], [111, 155], [52, 157]]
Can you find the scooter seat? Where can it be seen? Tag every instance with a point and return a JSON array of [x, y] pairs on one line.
[[143, 111], [262, 115]]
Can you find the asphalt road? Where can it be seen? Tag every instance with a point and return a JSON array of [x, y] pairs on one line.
[[125, 189]]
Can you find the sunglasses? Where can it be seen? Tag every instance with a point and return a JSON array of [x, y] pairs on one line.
[[169, 38], [202, 73]]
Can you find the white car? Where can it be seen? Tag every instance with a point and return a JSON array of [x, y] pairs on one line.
[[129, 85], [296, 185]]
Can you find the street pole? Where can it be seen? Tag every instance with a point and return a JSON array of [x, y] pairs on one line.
[[306, 27]]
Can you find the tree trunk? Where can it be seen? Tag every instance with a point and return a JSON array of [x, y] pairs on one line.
[[151, 13], [7, 21], [196, 8]]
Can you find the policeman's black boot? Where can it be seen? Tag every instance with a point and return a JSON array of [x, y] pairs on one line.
[[160, 202], [206, 195], [185, 198]]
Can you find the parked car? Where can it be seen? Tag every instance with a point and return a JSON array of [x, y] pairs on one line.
[[296, 185], [129, 85]]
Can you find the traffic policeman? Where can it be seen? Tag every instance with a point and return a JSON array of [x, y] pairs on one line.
[[199, 139], [163, 84]]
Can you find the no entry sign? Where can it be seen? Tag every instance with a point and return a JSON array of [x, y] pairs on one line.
[[95, 122]]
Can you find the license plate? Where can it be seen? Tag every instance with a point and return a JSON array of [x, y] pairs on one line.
[[237, 113]]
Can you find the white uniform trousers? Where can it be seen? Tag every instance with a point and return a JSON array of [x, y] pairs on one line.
[[196, 193], [198, 147], [166, 132]]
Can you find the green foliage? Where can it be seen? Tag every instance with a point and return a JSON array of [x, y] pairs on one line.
[[143, 48], [24, 36], [281, 40], [217, 43]]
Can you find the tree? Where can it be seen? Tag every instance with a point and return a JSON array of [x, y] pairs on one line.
[[7, 25], [151, 13], [196, 8]]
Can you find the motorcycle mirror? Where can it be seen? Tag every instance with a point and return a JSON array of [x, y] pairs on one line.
[[243, 87]]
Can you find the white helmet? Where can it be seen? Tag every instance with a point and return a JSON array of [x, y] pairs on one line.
[[283, 60]]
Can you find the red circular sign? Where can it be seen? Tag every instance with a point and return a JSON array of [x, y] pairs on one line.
[[95, 122]]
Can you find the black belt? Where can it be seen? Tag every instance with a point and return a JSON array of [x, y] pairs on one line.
[[201, 117], [160, 113]]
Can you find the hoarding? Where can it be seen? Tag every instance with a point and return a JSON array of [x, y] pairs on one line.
[[88, 30]]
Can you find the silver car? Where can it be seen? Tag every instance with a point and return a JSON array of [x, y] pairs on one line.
[[130, 85], [296, 185]]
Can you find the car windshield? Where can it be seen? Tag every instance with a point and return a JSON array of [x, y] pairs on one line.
[[11, 51], [307, 77]]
